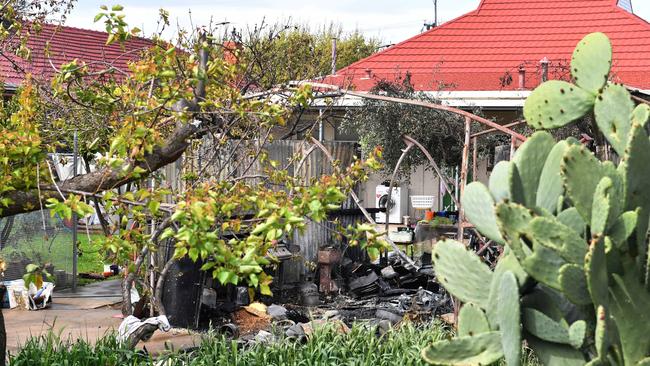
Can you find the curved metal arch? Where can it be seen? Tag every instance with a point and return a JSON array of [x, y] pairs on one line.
[[420, 103], [410, 142], [357, 201]]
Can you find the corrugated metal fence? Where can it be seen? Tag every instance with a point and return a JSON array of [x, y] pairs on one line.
[[316, 235]]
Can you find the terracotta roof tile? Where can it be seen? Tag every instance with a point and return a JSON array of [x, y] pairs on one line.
[[65, 45], [474, 51]]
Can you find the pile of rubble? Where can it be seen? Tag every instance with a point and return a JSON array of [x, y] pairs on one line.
[[379, 295]]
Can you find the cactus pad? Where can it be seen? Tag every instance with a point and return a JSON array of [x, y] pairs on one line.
[[641, 114], [472, 321], [505, 183], [507, 263], [601, 336], [591, 62], [545, 328], [478, 205], [556, 236], [574, 284], [613, 109], [482, 349], [623, 227], [513, 220], [550, 182], [606, 206], [530, 159], [629, 308], [571, 218], [555, 104], [581, 172], [544, 265], [555, 354], [462, 272], [596, 271], [577, 332], [509, 315]]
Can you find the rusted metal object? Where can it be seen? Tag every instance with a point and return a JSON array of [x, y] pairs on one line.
[[463, 174], [326, 259]]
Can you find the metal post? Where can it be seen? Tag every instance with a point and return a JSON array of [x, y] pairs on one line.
[[456, 188], [75, 251], [474, 159], [463, 176], [321, 128], [544, 63]]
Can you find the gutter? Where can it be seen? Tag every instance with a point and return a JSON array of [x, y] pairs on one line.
[[497, 99]]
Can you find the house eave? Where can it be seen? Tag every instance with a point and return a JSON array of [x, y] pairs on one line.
[[495, 99]]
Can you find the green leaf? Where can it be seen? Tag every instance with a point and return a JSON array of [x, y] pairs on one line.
[[193, 254], [117, 8]]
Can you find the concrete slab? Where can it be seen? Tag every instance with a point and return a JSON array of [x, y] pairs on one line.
[[91, 296], [85, 314], [73, 323]]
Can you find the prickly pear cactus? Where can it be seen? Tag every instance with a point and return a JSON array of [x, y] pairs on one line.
[[574, 280]]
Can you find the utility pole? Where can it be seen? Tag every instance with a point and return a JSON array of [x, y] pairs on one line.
[[334, 55], [75, 219], [429, 26]]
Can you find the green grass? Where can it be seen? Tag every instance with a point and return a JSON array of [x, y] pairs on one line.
[[50, 349], [58, 251], [400, 346], [327, 347], [361, 346]]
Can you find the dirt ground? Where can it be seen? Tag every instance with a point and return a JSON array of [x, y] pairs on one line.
[[88, 314]]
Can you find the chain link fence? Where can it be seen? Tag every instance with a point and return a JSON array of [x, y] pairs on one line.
[[38, 238]]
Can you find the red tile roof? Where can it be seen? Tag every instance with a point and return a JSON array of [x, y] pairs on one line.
[[476, 50], [65, 45]]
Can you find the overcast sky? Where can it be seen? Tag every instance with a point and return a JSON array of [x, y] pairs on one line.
[[392, 21]]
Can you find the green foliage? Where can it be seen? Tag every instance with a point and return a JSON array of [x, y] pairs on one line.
[[578, 229], [116, 27], [379, 123], [283, 52], [326, 346], [21, 147], [35, 274], [51, 349], [215, 210]]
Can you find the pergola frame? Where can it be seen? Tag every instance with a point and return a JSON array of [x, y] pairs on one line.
[[470, 140]]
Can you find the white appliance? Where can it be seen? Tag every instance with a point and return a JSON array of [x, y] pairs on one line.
[[395, 209]]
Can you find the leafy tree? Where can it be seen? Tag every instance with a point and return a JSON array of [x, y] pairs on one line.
[[282, 52], [379, 123], [133, 122]]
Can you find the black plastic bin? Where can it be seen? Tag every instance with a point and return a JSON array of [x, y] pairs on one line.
[[182, 293]]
